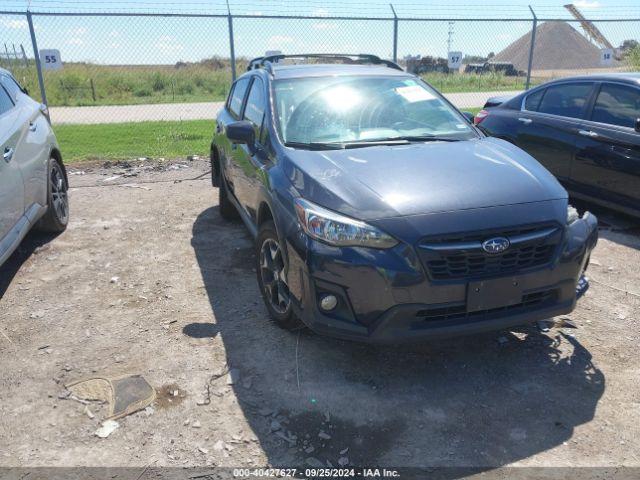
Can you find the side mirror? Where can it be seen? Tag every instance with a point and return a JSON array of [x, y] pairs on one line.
[[469, 116], [638, 125], [241, 132]]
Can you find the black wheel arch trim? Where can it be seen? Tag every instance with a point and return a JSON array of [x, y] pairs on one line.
[[57, 155], [264, 200], [215, 165]]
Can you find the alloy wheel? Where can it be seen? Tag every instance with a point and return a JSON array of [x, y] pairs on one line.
[[273, 275], [59, 195]]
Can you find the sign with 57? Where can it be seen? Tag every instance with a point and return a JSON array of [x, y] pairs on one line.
[[455, 60]]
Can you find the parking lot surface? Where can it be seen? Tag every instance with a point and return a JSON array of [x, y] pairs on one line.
[[148, 279]]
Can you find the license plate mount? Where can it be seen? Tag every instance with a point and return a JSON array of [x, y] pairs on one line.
[[495, 293]]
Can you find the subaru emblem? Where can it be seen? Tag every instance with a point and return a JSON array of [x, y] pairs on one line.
[[495, 245]]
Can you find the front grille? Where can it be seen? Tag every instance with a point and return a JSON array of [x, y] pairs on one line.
[[458, 311], [481, 264], [480, 236], [461, 256]]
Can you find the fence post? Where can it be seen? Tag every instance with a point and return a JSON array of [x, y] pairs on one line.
[[533, 43], [24, 56], [231, 44], [395, 34], [36, 54]]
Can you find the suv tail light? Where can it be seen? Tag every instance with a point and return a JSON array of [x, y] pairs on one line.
[[480, 116]]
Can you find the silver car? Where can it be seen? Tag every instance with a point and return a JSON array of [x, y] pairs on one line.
[[33, 180]]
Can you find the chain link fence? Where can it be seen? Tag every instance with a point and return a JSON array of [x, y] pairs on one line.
[[16, 50], [122, 67]]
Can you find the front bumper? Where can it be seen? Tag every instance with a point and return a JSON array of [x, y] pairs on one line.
[[387, 296]]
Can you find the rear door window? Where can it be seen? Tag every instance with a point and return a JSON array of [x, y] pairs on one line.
[[617, 105], [6, 103], [532, 102], [235, 105], [566, 100]]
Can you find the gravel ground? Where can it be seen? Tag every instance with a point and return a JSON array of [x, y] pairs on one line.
[[149, 279]]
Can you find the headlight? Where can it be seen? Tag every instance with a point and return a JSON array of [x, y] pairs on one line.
[[335, 229], [572, 215]]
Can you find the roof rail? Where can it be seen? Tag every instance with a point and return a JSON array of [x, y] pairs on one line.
[[348, 58]]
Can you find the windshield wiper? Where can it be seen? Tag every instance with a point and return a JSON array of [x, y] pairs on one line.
[[403, 140], [425, 138], [344, 145], [373, 142], [316, 145], [400, 140]]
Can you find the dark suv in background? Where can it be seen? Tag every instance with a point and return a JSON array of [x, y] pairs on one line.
[[381, 213], [585, 130]]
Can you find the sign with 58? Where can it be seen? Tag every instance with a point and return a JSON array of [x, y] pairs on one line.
[[606, 56]]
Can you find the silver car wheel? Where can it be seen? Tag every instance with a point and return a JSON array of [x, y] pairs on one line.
[[59, 194]]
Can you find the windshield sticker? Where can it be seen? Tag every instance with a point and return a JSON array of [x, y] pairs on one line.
[[461, 126], [414, 94]]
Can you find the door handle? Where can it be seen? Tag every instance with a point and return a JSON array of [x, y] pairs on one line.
[[8, 154], [587, 133], [33, 127], [526, 121]]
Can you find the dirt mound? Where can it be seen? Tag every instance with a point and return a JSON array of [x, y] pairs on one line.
[[558, 47]]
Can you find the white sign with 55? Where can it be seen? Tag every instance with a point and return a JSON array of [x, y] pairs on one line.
[[50, 59]]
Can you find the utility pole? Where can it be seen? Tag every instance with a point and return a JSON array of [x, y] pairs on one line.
[[531, 47], [450, 38], [395, 34], [36, 54], [231, 44]]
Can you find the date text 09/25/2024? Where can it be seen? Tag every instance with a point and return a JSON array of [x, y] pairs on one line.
[[316, 472]]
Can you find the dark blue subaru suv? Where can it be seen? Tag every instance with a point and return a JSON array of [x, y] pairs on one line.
[[381, 213]]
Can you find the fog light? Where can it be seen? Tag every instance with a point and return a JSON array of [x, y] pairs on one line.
[[328, 302]]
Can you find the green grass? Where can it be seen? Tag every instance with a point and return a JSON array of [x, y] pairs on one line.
[[463, 82], [78, 83], [473, 110], [126, 141], [633, 58]]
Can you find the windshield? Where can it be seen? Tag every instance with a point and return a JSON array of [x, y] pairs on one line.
[[326, 110]]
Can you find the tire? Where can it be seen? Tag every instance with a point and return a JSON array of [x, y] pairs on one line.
[[227, 209], [272, 277], [57, 216]]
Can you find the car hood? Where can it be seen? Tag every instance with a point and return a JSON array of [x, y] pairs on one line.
[[386, 181]]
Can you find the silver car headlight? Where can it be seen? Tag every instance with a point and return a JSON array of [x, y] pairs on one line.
[[572, 215], [336, 229]]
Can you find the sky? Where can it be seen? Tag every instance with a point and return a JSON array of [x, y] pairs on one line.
[[167, 40]]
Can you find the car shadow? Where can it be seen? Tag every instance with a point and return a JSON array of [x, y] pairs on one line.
[[30, 244], [480, 402], [614, 226]]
